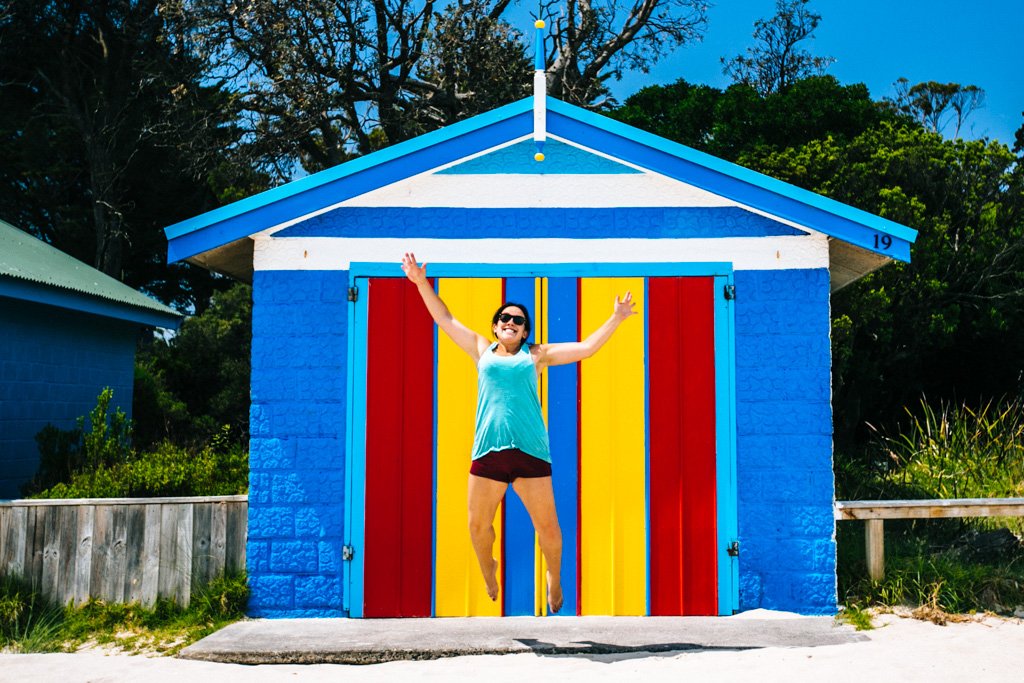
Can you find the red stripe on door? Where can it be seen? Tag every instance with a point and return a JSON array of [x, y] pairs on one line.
[[399, 452], [683, 565]]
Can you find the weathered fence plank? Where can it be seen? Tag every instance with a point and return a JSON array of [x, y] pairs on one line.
[[218, 537], [182, 588], [151, 560], [135, 551], [51, 551], [34, 549], [122, 550], [237, 520], [68, 554], [101, 540], [83, 553], [12, 559]]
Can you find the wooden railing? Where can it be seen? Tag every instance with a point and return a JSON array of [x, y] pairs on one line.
[[122, 549], [874, 512]]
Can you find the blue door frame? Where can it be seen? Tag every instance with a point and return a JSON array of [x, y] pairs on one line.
[[725, 410]]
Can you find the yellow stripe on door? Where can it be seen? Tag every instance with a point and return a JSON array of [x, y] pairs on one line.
[[613, 553], [459, 586], [540, 582]]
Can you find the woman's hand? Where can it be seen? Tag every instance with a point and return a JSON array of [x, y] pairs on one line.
[[416, 274], [623, 309]]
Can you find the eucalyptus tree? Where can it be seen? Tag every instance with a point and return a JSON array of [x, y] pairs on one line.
[[936, 105], [106, 135], [775, 62], [319, 81]]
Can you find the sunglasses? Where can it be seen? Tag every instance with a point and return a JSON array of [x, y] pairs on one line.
[[517, 319]]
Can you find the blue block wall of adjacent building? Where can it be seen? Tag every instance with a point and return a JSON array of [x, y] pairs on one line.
[[297, 446], [784, 441], [54, 362]]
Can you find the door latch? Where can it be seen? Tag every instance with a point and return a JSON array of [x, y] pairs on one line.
[[347, 552], [733, 549]]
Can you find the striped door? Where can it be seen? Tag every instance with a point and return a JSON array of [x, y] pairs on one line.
[[635, 449]]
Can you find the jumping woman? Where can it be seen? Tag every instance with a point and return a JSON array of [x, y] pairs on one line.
[[511, 441]]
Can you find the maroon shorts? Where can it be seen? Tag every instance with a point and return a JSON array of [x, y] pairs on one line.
[[509, 465]]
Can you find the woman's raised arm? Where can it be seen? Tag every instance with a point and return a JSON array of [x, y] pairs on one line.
[[572, 352], [466, 339]]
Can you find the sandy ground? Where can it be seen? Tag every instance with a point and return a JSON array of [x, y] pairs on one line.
[[988, 650]]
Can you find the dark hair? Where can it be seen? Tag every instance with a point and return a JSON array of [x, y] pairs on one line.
[[528, 327]]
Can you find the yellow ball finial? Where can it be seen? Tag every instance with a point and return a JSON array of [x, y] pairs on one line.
[[538, 156], [539, 23]]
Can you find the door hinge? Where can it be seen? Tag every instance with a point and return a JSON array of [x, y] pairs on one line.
[[353, 294], [347, 552], [730, 292], [733, 549]]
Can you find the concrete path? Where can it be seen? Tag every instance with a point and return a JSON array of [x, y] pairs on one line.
[[372, 641]]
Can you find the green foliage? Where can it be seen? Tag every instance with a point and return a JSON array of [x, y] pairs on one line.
[[953, 451], [737, 121], [191, 385], [100, 462], [936, 105], [919, 574], [950, 323], [109, 132], [30, 624], [219, 468], [960, 452], [106, 444]]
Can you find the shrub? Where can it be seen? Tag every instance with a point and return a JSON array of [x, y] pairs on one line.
[[959, 452], [219, 468], [62, 453], [100, 463]]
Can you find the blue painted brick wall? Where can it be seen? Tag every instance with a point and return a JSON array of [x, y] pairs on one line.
[[297, 447], [54, 362], [784, 441]]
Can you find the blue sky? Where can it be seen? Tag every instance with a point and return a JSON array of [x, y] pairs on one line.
[[876, 42]]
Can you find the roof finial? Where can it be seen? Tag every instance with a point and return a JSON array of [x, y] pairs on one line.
[[539, 92]]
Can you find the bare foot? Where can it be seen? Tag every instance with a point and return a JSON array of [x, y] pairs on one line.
[[492, 580], [554, 594]]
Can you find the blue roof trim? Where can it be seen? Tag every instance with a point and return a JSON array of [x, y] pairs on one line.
[[291, 200], [65, 298], [754, 189], [576, 223], [426, 152], [559, 159]]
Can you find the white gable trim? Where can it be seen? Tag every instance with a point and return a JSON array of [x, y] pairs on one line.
[[788, 252]]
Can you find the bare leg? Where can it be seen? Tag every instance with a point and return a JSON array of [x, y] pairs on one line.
[[484, 496], [539, 499]]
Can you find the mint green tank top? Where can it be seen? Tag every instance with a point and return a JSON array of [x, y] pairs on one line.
[[508, 408]]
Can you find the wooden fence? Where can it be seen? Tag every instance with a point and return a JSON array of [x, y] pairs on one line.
[[874, 512], [123, 549]]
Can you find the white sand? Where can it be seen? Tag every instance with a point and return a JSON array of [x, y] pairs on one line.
[[991, 650]]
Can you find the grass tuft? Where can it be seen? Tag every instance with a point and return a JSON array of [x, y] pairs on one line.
[[857, 617], [30, 624]]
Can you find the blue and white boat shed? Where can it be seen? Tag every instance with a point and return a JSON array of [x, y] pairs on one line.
[[610, 207]]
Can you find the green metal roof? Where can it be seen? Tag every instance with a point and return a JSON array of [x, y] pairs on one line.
[[25, 258]]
